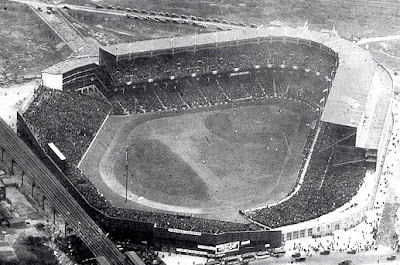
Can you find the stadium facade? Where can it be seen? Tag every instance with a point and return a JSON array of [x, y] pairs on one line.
[[356, 100]]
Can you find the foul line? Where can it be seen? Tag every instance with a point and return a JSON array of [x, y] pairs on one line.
[[94, 139]]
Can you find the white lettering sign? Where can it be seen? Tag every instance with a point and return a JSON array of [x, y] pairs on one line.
[[227, 247], [184, 232], [206, 247]]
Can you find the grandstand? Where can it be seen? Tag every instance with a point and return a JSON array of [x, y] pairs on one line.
[[334, 78]]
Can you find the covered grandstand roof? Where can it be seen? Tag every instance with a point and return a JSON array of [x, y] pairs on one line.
[[347, 100], [71, 64], [348, 95]]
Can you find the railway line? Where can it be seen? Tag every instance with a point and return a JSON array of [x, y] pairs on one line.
[[55, 192]]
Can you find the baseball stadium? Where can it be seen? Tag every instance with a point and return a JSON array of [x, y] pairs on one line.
[[218, 143]]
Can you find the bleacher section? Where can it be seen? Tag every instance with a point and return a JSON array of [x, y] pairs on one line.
[[333, 177]]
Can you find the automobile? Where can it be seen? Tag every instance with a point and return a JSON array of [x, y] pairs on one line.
[[110, 7], [128, 9], [39, 8], [392, 257], [353, 251], [262, 255], [225, 21], [184, 16], [161, 13], [136, 10], [296, 255], [242, 24], [208, 19], [234, 23], [216, 20], [99, 6], [200, 18], [174, 15], [325, 252], [345, 262], [143, 11], [253, 25], [301, 259], [119, 8], [153, 13]]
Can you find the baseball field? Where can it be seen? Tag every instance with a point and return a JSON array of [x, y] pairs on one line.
[[210, 162]]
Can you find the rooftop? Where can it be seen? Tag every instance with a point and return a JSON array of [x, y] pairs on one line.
[[71, 64]]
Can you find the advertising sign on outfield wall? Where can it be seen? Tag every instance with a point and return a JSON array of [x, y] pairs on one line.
[[227, 247]]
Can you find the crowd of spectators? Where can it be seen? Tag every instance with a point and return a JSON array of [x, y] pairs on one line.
[[70, 121], [223, 59], [213, 89], [334, 176]]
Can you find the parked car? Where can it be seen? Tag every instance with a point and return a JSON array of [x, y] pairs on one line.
[[325, 252]]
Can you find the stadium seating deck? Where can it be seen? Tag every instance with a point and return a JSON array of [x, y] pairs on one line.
[[145, 85]]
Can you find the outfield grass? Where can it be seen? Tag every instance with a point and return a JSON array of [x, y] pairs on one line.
[[219, 161]]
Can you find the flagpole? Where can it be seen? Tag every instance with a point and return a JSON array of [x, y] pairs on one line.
[[116, 53], [172, 42], [130, 52]]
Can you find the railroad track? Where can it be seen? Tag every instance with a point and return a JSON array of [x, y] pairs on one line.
[[64, 203]]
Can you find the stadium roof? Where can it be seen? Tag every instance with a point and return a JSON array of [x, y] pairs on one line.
[[348, 95], [210, 38], [347, 100], [71, 64]]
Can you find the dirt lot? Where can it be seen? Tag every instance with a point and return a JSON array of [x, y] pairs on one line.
[[110, 29], [27, 45]]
